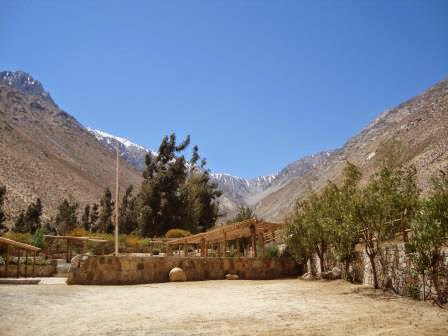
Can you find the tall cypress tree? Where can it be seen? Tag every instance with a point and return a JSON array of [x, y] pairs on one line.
[[85, 219], [105, 224], [128, 212], [94, 215], [30, 220], [66, 219]]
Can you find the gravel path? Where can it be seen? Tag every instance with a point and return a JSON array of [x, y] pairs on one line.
[[277, 307]]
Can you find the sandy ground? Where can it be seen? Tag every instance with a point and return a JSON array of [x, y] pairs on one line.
[[278, 307]]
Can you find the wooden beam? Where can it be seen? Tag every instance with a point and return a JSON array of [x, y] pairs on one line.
[[26, 264], [18, 262], [16, 244], [7, 260], [34, 263]]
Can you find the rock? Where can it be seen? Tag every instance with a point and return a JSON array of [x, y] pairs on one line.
[[308, 276], [177, 275], [232, 277], [336, 273]]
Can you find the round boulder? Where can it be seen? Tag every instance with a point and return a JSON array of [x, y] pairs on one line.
[[177, 274]]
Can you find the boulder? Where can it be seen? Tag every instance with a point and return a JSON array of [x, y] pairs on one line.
[[232, 277], [177, 274], [308, 276], [336, 273]]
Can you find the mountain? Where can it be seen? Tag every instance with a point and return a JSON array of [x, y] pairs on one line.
[[237, 191], [418, 126], [47, 153]]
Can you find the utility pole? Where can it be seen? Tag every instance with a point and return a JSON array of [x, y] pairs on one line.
[[116, 204]]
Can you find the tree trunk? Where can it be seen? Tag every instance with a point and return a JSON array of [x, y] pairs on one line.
[[375, 277]]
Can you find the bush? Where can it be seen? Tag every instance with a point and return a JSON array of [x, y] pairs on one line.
[[79, 232], [177, 233], [25, 238], [38, 238], [272, 251]]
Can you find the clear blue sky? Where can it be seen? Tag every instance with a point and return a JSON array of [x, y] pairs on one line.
[[257, 84]]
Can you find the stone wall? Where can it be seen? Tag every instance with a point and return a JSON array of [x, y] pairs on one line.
[[132, 269], [40, 271]]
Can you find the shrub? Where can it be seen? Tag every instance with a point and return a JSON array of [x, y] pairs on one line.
[[38, 238], [177, 233], [25, 238], [79, 232], [272, 251]]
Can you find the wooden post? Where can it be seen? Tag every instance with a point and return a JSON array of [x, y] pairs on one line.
[[206, 249], [116, 204], [7, 261], [262, 244], [34, 263], [185, 250], [225, 245], [202, 247], [26, 264], [18, 262], [273, 235], [219, 248], [237, 247], [254, 244]]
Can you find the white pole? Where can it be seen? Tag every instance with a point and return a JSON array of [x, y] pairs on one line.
[[116, 205]]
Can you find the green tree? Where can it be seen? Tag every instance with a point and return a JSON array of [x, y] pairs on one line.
[[128, 212], [94, 215], [66, 219], [160, 199], [430, 233], [385, 205], [85, 219], [105, 224], [30, 220], [243, 214]]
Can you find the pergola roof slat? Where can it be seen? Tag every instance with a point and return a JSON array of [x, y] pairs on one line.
[[18, 245]]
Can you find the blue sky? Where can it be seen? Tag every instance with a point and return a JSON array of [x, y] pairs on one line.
[[257, 84]]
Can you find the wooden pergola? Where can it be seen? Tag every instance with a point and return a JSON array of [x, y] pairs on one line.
[[70, 240], [252, 228], [19, 247]]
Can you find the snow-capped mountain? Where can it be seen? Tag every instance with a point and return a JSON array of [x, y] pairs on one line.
[[23, 82], [129, 151], [237, 191]]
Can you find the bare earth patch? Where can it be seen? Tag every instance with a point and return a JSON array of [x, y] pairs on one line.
[[277, 307]]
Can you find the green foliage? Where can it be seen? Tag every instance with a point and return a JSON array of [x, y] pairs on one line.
[[272, 251], [105, 224], [94, 215], [85, 219], [243, 214], [174, 195], [38, 238], [385, 207], [66, 219], [430, 233], [29, 220], [177, 233], [128, 217]]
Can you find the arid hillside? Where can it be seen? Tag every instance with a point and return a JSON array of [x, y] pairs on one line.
[[419, 127], [46, 153]]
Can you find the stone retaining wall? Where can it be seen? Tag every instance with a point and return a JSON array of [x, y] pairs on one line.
[[40, 271], [128, 269]]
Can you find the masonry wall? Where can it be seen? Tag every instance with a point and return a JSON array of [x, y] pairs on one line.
[[126, 270], [40, 271]]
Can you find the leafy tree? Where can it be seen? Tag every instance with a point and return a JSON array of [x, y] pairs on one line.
[[30, 220], [243, 214], [160, 199], [430, 233], [94, 215], [105, 224], [342, 215], [128, 212], [384, 206], [2, 202], [199, 197], [66, 219], [85, 219]]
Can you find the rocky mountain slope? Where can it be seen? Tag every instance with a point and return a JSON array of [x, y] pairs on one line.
[[419, 127], [46, 153]]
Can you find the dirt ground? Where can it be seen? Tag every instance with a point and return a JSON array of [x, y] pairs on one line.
[[277, 307]]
